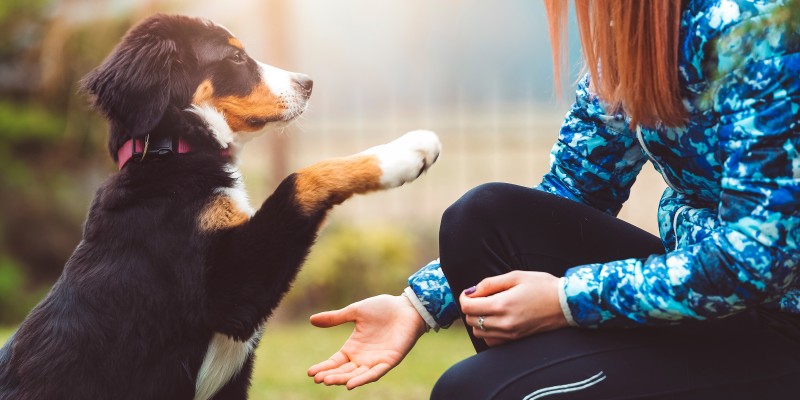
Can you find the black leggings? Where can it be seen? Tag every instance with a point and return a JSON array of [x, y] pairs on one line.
[[496, 228]]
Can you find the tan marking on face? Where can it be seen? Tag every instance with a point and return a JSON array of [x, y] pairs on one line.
[[331, 182], [261, 104], [203, 93], [235, 43], [221, 213]]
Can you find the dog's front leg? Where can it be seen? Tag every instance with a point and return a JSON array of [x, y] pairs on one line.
[[254, 262]]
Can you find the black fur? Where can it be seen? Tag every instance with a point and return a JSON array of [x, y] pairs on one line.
[[139, 299]]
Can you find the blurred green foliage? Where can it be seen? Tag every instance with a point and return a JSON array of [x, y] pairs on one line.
[[10, 9], [28, 123], [349, 263], [15, 299], [17, 17], [52, 147]]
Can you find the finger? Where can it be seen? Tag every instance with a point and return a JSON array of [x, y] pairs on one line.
[[490, 334], [343, 369], [496, 284], [494, 334], [370, 376], [480, 334], [490, 323], [493, 327], [328, 319], [336, 360], [472, 320], [491, 342], [342, 378], [473, 306]]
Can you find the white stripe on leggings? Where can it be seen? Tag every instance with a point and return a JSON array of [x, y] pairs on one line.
[[570, 387]]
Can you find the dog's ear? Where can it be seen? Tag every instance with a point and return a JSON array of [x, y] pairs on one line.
[[132, 87]]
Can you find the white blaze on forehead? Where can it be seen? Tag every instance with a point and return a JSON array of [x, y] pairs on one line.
[[277, 80]]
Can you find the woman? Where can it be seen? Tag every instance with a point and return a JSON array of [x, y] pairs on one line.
[[709, 92]]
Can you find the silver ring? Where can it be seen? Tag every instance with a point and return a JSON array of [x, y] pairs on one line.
[[480, 323]]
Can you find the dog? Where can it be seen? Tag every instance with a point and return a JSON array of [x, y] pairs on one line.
[[167, 292]]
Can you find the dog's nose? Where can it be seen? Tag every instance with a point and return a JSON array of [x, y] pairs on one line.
[[305, 82]]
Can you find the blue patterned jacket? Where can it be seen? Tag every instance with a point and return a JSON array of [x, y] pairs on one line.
[[730, 217]]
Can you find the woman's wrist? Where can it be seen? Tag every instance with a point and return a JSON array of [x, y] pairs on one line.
[[425, 319]]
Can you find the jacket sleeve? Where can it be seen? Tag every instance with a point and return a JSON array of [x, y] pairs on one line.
[[596, 157], [753, 257], [434, 294]]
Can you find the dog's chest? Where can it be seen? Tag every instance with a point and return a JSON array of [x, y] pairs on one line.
[[224, 359], [228, 207], [225, 356]]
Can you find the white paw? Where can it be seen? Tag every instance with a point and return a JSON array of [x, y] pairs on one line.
[[407, 157]]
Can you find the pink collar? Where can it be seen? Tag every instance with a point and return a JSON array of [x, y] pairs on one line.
[[141, 148]]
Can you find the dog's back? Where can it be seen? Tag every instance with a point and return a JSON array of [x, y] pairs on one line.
[[8, 383]]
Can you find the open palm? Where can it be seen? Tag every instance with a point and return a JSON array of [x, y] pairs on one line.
[[386, 328]]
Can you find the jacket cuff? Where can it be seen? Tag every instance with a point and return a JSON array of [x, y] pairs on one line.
[[433, 292], [562, 300], [423, 312]]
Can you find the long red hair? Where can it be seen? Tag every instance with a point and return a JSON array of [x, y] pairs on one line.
[[630, 48]]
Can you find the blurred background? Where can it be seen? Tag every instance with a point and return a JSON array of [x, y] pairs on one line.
[[478, 73]]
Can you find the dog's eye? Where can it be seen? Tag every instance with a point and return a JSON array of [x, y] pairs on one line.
[[238, 58]]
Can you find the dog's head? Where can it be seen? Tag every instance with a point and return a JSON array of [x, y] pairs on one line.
[[169, 71]]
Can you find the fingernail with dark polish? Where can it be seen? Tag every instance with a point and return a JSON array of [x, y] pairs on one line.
[[470, 291]]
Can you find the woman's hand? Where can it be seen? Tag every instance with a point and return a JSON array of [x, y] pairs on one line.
[[386, 329], [513, 305]]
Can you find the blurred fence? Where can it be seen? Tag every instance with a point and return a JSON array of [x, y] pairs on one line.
[[511, 145]]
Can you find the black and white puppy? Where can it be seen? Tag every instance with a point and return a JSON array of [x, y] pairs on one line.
[[167, 292]]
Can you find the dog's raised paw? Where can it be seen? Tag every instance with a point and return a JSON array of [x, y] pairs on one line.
[[407, 157]]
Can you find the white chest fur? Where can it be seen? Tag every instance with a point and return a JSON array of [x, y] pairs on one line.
[[224, 359], [225, 356], [237, 193]]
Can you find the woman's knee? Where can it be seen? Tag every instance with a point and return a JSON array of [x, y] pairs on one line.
[[474, 209], [466, 223], [468, 235], [459, 382]]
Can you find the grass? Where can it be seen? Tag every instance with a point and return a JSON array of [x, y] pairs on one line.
[[288, 349], [286, 352]]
